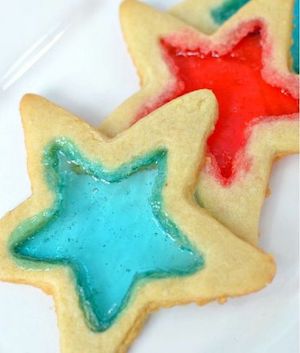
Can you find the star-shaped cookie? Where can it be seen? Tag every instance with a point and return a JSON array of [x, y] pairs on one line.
[[245, 63], [207, 15], [112, 230]]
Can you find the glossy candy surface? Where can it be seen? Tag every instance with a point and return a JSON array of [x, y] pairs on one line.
[[244, 97], [109, 228]]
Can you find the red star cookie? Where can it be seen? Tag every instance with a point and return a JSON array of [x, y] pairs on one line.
[[245, 63]]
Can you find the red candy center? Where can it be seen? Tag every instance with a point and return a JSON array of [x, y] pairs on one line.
[[244, 96]]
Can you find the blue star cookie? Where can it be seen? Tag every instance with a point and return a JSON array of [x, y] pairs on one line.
[[112, 230]]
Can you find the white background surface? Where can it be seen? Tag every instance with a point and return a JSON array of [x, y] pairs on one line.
[[75, 55]]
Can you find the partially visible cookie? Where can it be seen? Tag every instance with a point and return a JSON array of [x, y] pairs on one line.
[[246, 64], [198, 13], [207, 15], [112, 230]]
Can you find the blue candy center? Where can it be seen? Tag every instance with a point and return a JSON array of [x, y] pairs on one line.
[[108, 227]]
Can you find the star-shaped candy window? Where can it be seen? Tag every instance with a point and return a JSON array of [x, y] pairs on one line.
[[244, 96], [109, 228]]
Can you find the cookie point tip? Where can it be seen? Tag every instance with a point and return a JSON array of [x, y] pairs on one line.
[[126, 3], [28, 98]]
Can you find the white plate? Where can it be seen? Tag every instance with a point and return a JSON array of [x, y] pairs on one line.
[[73, 53]]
